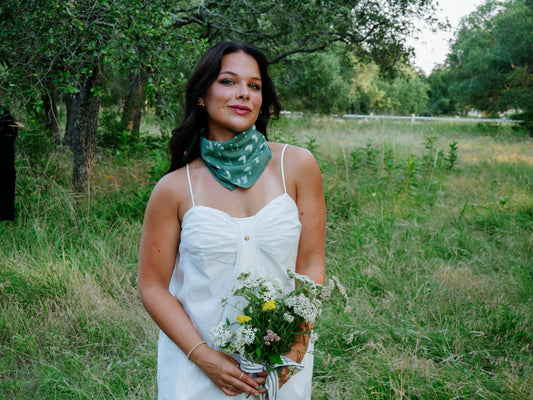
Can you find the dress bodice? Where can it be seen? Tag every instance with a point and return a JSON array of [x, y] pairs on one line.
[[216, 248]]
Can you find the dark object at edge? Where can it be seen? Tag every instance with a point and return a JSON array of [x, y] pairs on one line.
[[8, 133]]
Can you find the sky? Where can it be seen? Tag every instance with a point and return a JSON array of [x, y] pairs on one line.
[[431, 48]]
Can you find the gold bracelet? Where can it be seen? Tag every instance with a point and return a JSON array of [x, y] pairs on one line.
[[195, 347]]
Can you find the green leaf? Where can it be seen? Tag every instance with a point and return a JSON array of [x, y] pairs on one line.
[[274, 359]]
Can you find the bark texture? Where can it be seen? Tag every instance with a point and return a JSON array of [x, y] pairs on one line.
[[84, 133], [133, 103]]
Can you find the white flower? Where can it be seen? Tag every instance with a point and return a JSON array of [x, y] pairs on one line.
[[342, 290], [243, 336], [304, 279], [221, 335], [271, 289], [288, 317], [325, 294], [304, 307]]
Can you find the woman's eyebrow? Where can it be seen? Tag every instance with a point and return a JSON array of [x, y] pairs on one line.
[[234, 74]]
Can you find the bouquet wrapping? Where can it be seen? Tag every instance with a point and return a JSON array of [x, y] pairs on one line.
[[272, 381], [271, 318]]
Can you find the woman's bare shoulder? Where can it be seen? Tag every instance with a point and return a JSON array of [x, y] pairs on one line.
[[295, 157], [171, 186]]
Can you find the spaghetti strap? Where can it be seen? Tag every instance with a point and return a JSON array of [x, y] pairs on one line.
[[282, 172], [190, 186]]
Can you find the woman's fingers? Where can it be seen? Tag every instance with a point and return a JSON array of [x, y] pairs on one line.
[[224, 371], [284, 375], [250, 385], [237, 381], [230, 390], [259, 380]]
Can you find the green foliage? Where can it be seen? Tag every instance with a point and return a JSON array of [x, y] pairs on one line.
[[404, 178], [490, 63], [406, 95], [124, 145], [451, 158], [312, 83], [34, 144], [138, 53], [432, 157], [337, 82], [158, 42], [440, 101]]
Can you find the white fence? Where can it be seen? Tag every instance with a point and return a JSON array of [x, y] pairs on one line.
[[414, 118]]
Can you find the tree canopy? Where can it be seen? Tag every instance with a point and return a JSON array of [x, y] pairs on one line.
[[491, 61], [80, 51]]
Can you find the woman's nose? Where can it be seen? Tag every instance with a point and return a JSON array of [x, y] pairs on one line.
[[243, 92]]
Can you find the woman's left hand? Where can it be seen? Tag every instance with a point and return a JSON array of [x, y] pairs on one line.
[[284, 375]]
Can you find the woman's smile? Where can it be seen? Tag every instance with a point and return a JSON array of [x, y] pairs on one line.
[[241, 110]]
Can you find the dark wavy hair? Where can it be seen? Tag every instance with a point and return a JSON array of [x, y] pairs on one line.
[[184, 143]]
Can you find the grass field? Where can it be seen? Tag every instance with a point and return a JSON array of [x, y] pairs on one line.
[[430, 227]]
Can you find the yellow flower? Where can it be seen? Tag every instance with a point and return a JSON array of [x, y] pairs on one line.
[[241, 319], [269, 305]]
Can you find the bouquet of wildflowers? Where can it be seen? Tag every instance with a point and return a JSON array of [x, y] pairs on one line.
[[270, 321]]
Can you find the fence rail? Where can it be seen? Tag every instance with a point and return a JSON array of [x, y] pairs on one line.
[[414, 118]]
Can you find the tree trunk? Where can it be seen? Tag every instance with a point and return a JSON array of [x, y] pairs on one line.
[[84, 134], [134, 102]]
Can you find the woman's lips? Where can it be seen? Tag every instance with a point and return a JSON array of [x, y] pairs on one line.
[[241, 110]]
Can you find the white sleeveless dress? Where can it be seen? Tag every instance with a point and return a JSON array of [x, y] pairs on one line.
[[214, 249]]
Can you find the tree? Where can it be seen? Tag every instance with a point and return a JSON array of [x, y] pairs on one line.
[[312, 83], [513, 31], [375, 28], [407, 93], [491, 63], [63, 48], [440, 101], [52, 49], [149, 51]]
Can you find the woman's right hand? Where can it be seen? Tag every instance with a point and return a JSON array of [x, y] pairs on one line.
[[225, 373]]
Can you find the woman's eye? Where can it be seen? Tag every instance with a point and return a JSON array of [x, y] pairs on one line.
[[255, 86], [227, 82]]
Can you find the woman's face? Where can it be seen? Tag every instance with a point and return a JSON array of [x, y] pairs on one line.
[[234, 100]]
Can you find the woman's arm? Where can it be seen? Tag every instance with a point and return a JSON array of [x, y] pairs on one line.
[[306, 187], [157, 255], [311, 260]]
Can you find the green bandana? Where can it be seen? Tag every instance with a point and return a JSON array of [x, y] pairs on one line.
[[237, 162]]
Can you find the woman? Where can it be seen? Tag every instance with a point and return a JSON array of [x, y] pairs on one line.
[[231, 203]]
